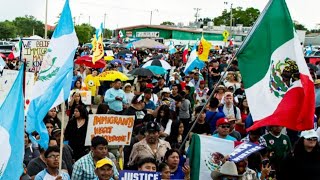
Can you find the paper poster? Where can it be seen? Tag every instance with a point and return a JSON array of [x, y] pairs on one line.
[[139, 175], [116, 129], [34, 51], [244, 150]]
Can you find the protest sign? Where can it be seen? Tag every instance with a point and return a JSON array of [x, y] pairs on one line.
[[117, 129], [139, 175], [85, 96], [34, 51], [109, 53], [244, 150]]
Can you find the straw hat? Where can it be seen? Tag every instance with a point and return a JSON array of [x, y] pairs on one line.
[[227, 169]]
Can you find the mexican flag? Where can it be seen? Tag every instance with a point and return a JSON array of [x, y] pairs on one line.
[[277, 81], [206, 154]]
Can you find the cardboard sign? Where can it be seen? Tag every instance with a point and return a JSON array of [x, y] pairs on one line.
[[139, 175], [244, 150], [85, 96], [34, 51], [116, 129]]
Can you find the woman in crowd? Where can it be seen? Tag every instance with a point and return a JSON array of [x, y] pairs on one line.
[[219, 94], [163, 118], [175, 138], [165, 171], [49, 125], [75, 101], [129, 94], [76, 131], [304, 161], [53, 115], [30, 152], [240, 124], [232, 80], [172, 158]]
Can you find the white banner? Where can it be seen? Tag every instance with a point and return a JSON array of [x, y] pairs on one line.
[[117, 129]]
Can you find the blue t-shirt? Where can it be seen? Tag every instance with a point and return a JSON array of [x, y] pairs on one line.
[[150, 105], [178, 174], [212, 117], [227, 138]]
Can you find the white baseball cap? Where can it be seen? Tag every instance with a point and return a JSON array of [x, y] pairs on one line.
[[309, 134]]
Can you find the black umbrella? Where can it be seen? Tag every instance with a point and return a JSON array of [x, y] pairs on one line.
[[124, 52], [159, 56], [141, 72]]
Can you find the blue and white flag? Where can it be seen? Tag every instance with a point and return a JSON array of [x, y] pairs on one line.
[[193, 61], [99, 31], [172, 49], [2, 63], [11, 131], [55, 77]]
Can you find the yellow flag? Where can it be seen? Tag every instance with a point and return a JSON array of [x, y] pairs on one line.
[[98, 51], [94, 42], [204, 49]]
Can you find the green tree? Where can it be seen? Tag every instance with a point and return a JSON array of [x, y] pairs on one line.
[[246, 17], [84, 32], [299, 26], [108, 33], [26, 25], [7, 30], [167, 23]]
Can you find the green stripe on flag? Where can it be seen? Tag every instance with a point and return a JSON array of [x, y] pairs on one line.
[[273, 28], [195, 157]]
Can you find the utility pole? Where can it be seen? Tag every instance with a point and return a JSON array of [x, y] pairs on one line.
[[156, 10], [197, 13], [89, 20], [46, 22], [231, 18]]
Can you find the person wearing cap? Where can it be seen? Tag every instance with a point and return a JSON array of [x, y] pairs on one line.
[[151, 146], [67, 151], [201, 94], [115, 98], [223, 129], [84, 168], [304, 161], [128, 92], [234, 133], [104, 170], [228, 171], [229, 109]]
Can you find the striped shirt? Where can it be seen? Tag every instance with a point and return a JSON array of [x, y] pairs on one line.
[[84, 168]]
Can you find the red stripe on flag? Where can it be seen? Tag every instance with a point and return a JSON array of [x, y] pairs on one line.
[[296, 109]]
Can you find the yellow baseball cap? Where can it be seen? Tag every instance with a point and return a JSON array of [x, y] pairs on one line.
[[103, 162]]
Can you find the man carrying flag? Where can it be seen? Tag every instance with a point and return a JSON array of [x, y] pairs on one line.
[[99, 49], [55, 77], [277, 81]]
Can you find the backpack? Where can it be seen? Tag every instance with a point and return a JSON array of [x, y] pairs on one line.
[[220, 108]]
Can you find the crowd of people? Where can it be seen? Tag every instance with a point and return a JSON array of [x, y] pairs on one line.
[[165, 108]]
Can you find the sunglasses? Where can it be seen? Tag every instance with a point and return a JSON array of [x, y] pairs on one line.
[[312, 139], [225, 126]]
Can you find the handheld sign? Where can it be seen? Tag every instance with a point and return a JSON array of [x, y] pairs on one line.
[[244, 150], [139, 175], [116, 129], [225, 35]]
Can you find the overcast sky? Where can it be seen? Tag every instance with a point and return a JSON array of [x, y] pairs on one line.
[[121, 13]]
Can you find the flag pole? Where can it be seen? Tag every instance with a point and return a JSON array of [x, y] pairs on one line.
[[63, 107]]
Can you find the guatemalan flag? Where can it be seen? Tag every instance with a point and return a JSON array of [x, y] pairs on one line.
[[193, 61], [11, 131], [55, 77], [172, 49]]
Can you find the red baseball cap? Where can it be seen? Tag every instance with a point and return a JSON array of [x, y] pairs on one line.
[[149, 85], [202, 82], [222, 121]]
